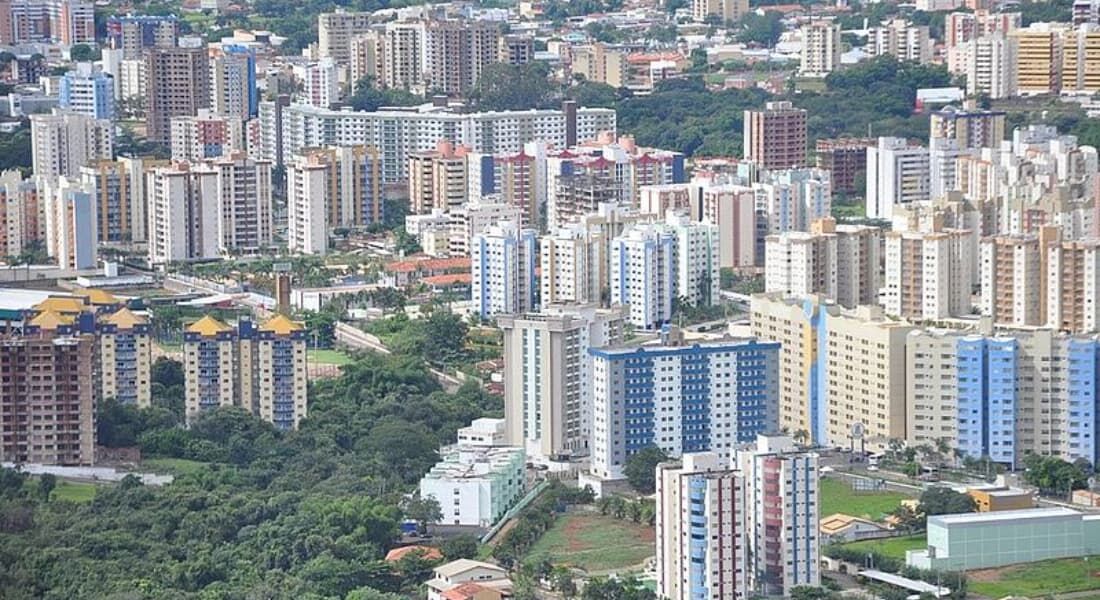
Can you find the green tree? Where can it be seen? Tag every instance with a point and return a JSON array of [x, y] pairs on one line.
[[425, 511], [602, 588], [367, 96], [46, 484], [459, 546], [641, 468], [760, 29], [938, 500], [512, 87], [83, 53], [366, 593]]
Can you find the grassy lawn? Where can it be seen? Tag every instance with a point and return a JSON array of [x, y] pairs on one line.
[[837, 496], [1038, 579], [595, 542], [73, 491], [892, 547], [171, 466], [329, 357]]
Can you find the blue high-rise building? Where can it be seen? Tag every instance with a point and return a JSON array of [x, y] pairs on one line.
[[699, 397], [88, 91]]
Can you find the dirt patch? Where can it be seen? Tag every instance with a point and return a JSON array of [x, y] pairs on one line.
[[572, 532], [988, 575]]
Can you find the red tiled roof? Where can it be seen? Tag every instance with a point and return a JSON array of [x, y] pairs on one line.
[[463, 592], [428, 553], [448, 279]]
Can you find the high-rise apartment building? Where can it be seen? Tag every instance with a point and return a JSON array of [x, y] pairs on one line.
[[403, 47], [726, 11], [64, 22], [897, 173], [473, 218], [1072, 286], [207, 135], [126, 357], [456, 51], [1086, 11], [599, 63], [47, 392], [1013, 279], [548, 379], [233, 91], [1039, 52], [845, 159], [62, 142], [901, 39], [838, 262], [569, 267], [89, 91], [841, 372], [320, 84], [1003, 393], [820, 48], [502, 272], [329, 188], [71, 232], [20, 220], [437, 178], [732, 209], [989, 64], [177, 84], [643, 274], [928, 274], [1081, 60], [366, 59], [962, 27], [702, 529], [782, 498], [259, 368], [132, 34], [775, 137], [335, 31], [970, 127], [244, 204], [119, 204], [726, 392], [184, 213]]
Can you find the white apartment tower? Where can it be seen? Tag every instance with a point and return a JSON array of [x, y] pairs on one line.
[[63, 142], [548, 378], [897, 173], [183, 213], [503, 270], [643, 274], [569, 267], [244, 204], [928, 273]]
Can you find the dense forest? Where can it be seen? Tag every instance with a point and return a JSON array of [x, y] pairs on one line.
[[268, 515]]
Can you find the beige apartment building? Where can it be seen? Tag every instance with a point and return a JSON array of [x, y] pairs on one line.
[[841, 372], [1039, 51], [928, 274], [600, 64], [437, 179], [727, 11]]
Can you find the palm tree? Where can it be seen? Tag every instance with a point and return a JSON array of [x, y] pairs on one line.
[[801, 436]]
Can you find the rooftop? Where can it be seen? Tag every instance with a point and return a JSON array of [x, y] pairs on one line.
[[208, 326], [281, 325], [124, 318], [1003, 516]]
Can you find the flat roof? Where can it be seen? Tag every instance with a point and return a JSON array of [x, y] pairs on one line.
[[1004, 515]]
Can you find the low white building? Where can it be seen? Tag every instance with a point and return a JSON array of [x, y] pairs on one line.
[[479, 478]]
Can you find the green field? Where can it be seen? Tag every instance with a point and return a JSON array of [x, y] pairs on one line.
[[595, 543], [892, 547], [1038, 579], [329, 357], [171, 466], [837, 496], [73, 491]]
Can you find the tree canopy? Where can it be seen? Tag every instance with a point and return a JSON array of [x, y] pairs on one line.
[[267, 514], [641, 468]]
